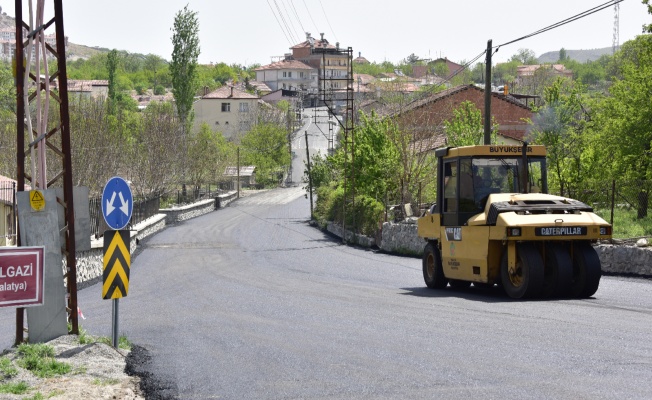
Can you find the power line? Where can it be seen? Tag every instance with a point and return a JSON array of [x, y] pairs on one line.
[[279, 23], [329, 23], [280, 13], [297, 15], [565, 21], [550, 27], [294, 29], [310, 15]]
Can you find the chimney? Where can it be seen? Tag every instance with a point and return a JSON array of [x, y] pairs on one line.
[[322, 37], [231, 91], [337, 46], [307, 35], [359, 54]]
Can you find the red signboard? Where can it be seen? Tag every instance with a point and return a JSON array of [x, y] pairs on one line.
[[21, 276]]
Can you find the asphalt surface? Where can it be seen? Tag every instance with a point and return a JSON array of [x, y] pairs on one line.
[[250, 302]]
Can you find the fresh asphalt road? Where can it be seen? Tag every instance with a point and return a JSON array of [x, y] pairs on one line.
[[250, 302]]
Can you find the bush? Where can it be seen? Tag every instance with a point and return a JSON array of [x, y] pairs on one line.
[[159, 90], [364, 218]]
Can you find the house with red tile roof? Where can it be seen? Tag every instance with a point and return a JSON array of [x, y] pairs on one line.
[[524, 71], [451, 66], [360, 60], [330, 60], [227, 109], [425, 117], [288, 74]]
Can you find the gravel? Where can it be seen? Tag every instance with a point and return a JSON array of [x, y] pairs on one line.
[[98, 372]]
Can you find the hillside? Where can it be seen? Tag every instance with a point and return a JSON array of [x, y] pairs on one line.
[[577, 55], [74, 51]]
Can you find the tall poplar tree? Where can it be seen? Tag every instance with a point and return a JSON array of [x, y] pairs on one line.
[[183, 68], [112, 66]]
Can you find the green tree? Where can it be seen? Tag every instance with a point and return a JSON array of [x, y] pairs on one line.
[[562, 55], [625, 135], [376, 166], [505, 73], [265, 146], [466, 128], [112, 66], [561, 125], [183, 68], [204, 155], [647, 28], [525, 57], [440, 69]]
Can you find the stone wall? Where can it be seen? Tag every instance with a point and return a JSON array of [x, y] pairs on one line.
[[620, 259], [90, 263], [402, 239], [353, 238], [178, 214]]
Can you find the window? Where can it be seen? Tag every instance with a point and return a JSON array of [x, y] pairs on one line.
[[244, 107], [450, 187], [290, 74], [226, 107], [300, 74]]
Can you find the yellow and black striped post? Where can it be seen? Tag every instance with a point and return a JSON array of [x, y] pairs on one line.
[[117, 260]]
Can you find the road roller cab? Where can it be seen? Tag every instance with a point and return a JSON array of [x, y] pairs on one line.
[[494, 223]]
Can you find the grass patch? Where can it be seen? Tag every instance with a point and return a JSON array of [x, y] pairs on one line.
[[626, 224], [39, 359], [37, 396], [105, 382], [85, 338], [123, 342], [7, 368], [14, 388]]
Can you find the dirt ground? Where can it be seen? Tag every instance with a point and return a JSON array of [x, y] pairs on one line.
[[98, 372]]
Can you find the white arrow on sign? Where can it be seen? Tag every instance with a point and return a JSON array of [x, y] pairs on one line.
[[124, 207]]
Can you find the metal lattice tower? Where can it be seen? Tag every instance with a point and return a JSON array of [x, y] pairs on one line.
[[616, 38], [328, 96], [32, 88]]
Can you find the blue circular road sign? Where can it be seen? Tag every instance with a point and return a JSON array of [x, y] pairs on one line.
[[117, 203]]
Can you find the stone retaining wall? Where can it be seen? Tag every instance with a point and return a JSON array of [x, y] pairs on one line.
[[402, 239], [178, 214], [90, 263], [625, 259]]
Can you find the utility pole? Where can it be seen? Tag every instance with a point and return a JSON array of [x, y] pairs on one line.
[[56, 139], [487, 96], [238, 173], [309, 173]]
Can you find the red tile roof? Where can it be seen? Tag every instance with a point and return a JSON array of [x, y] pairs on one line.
[[318, 44], [229, 92], [284, 64]]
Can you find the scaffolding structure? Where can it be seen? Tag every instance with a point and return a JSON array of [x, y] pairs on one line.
[[35, 88]]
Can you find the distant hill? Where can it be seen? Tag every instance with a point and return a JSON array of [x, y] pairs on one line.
[[74, 51], [577, 55]]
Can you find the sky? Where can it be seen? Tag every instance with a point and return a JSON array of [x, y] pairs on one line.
[[253, 31]]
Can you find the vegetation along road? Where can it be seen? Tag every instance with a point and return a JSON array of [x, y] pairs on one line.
[[250, 302]]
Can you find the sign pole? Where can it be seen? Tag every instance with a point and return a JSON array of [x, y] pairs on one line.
[[117, 207], [115, 323]]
